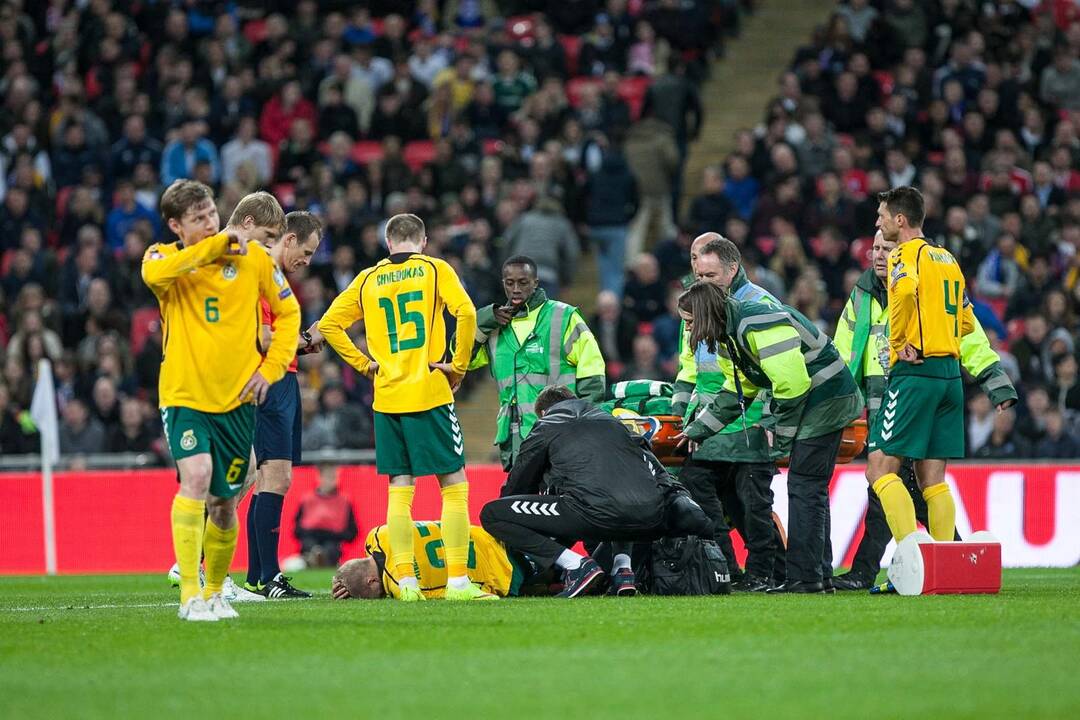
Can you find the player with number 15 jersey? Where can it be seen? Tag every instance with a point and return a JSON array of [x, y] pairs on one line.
[[402, 301]]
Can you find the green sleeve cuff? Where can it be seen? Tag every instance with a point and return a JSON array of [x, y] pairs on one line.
[[591, 388]]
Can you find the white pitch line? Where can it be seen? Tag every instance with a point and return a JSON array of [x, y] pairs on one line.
[[86, 607]]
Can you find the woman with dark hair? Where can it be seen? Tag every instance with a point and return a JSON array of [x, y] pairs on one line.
[[813, 398]]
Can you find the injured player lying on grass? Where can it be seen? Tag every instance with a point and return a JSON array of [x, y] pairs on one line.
[[489, 566]]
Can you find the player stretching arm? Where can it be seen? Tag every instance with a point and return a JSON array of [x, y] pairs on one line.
[[922, 416], [401, 301], [207, 286]]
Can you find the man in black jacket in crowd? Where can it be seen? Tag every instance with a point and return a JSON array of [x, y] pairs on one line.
[[582, 475]]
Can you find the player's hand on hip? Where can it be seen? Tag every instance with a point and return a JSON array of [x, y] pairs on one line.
[[452, 375], [909, 354], [237, 245], [256, 389], [372, 370]]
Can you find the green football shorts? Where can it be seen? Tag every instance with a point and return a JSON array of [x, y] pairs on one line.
[[228, 437], [420, 443], [922, 412]]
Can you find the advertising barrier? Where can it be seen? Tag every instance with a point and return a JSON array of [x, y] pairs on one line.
[[118, 521]]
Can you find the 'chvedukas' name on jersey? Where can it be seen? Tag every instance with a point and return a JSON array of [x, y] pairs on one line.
[[406, 273]]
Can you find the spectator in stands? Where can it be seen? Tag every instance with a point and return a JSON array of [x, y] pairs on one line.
[[645, 292], [105, 402], [980, 421], [611, 194], [298, 154], [709, 211], [190, 147], [1066, 389], [653, 156], [1057, 442], [999, 274], [545, 235], [1028, 349], [1003, 441], [18, 436], [126, 213], [246, 148], [1033, 413], [134, 147], [80, 434], [132, 434], [279, 113], [645, 360], [339, 424], [614, 332], [1059, 84], [325, 520]]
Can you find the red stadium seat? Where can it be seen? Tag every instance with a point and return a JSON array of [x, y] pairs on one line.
[[255, 31], [572, 47], [418, 153], [285, 193], [860, 251], [632, 90], [885, 81], [5, 261], [62, 197], [365, 152], [141, 322], [1015, 329], [574, 86]]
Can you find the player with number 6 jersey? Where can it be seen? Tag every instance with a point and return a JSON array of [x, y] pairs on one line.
[[208, 286], [402, 300]]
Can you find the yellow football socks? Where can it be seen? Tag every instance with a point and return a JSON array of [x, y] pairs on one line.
[[940, 511], [187, 533], [218, 548], [895, 500], [399, 525], [455, 528]]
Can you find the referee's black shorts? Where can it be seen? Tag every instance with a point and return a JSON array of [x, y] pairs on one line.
[[279, 422]]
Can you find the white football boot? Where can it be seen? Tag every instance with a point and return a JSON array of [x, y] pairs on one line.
[[221, 608], [196, 610], [236, 594]]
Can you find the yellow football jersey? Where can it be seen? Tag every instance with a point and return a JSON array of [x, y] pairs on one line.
[[488, 564], [401, 301], [210, 321], [928, 304]]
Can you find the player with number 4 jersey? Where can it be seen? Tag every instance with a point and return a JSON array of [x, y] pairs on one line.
[[402, 301], [922, 413]]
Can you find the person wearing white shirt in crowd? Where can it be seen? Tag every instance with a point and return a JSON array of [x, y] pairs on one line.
[[246, 147]]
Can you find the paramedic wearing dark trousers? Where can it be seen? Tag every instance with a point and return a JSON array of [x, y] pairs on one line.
[[582, 475]]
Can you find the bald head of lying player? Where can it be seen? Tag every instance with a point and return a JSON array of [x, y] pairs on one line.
[[357, 579]]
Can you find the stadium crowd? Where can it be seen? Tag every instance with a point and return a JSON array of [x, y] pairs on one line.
[[478, 116], [537, 128]]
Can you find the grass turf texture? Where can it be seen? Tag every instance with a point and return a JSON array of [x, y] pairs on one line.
[[850, 655]]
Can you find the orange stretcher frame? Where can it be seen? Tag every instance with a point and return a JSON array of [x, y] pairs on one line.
[[663, 441]]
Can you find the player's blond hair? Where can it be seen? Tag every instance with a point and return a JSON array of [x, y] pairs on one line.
[[405, 228], [263, 208], [181, 196]]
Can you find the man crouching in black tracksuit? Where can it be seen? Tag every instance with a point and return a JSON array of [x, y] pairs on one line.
[[582, 475]]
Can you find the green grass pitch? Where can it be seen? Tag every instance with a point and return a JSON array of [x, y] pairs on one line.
[[111, 647]]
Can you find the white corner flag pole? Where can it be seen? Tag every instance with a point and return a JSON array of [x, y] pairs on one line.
[[43, 413]]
